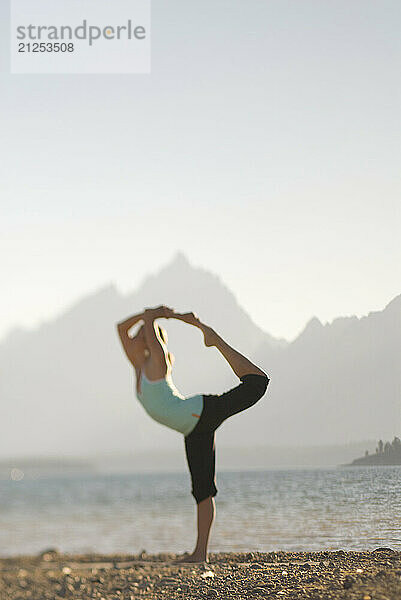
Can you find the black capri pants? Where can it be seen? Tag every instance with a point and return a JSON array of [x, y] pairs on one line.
[[200, 442]]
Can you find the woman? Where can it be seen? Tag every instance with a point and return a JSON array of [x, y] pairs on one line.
[[196, 417]]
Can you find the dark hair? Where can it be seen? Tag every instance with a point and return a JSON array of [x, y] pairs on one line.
[[162, 333]]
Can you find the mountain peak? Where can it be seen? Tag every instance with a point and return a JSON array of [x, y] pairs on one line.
[[179, 259], [394, 304], [313, 326]]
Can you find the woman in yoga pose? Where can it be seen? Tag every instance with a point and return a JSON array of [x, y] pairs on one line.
[[196, 417]]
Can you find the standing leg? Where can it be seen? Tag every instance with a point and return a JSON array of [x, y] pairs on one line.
[[206, 512], [201, 459]]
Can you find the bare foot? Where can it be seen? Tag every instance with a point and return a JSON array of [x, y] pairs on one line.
[[192, 558], [209, 334]]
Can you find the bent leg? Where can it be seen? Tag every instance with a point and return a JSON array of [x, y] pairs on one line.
[[240, 364], [218, 407]]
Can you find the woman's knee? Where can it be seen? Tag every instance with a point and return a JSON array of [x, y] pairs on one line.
[[203, 491], [256, 385]]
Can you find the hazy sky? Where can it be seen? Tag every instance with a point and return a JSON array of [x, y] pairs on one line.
[[265, 145]]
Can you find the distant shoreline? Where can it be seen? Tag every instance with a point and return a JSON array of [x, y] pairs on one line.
[[375, 461], [387, 454]]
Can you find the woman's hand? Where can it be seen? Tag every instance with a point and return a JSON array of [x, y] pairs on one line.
[[169, 313], [159, 312], [190, 317], [166, 312], [153, 313]]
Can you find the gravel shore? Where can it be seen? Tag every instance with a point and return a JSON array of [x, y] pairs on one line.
[[335, 575]]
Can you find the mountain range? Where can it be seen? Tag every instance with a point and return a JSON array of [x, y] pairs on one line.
[[67, 389]]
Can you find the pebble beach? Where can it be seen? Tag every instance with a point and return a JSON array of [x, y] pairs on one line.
[[337, 575]]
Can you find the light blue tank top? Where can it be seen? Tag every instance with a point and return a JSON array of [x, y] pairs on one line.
[[166, 405]]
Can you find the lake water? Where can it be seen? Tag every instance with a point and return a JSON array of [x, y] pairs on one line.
[[299, 509]]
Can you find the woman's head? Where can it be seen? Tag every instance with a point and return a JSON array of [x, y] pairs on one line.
[[164, 338], [141, 349], [162, 333]]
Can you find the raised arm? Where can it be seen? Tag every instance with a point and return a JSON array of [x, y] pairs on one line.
[[123, 328], [237, 361], [158, 363]]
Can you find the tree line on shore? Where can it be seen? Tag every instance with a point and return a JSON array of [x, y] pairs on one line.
[[388, 448]]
